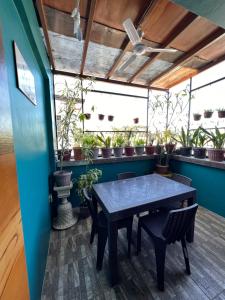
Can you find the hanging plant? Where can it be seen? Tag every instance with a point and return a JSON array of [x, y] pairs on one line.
[[87, 116], [101, 117], [221, 113], [197, 117], [136, 120], [208, 113], [110, 118]]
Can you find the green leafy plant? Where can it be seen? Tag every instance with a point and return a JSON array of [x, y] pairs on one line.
[[184, 138], [199, 138], [139, 142], [221, 109], [90, 141], [150, 137], [167, 136], [208, 110], [216, 137], [106, 141], [128, 138], [86, 181], [118, 141]]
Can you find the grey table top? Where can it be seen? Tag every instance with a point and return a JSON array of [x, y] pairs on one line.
[[139, 193]]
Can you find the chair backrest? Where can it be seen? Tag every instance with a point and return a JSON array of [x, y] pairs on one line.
[[126, 175], [182, 179], [88, 199], [179, 222]]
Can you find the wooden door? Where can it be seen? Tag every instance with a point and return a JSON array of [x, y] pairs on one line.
[[13, 273]]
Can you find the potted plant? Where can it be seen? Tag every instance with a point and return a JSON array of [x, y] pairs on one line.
[[78, 143], [106, 142], [221, 112], [159, 140], [167, 137], [139, 146], [118, 145], [149, 148], [136, 120], [184, 139], [218, 139], [162, 166], [197, 116], [199, 139], [129, 149], [208, 113], [101, 117], [90, 142], [86, 180], [87, 116], [110, 118]]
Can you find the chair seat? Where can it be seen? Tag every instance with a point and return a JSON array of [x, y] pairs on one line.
[[154, 223], [102, 221]]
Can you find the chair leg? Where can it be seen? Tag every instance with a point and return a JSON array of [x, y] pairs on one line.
[[93, 232], [186, 259], [129, 237], [139, 238], [160, 254], [102, 238]]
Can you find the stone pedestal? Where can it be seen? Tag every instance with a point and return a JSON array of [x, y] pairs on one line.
[[65, 217]]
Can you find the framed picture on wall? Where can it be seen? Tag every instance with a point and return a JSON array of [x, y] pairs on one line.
[[25, 78]]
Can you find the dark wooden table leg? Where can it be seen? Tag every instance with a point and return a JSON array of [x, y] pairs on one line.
[[190, 233], [112, 248]]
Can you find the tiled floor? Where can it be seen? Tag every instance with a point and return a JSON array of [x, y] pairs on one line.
[[71, 274]]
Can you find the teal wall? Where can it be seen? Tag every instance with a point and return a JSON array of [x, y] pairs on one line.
[[209, 182], [32, 130], [109, 172], [213, 10]]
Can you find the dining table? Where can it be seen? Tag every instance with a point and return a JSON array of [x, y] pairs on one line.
[[121, 199]]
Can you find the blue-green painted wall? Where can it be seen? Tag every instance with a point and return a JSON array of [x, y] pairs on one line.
[[32, 130], [209, 182], [110, 171]]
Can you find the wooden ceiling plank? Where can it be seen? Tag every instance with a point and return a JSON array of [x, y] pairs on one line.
[[194, 51], [140, 20], [88, 34], [45, 30], [58, 72], [183, 24]]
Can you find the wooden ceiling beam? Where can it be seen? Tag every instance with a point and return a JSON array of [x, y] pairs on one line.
[[126, 45], [88, 33], [183, 24], [45, 30], [58, 72], [194, 51]]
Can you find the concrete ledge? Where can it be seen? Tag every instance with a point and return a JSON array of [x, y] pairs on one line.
[[110, 160], [202, 162]]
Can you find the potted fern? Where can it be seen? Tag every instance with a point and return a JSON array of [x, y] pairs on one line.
[[218, 139], [199, 140], [184, 139], [139, 146], [106, 143], [118, 145]]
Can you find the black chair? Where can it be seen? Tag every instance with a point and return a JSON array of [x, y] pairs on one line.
[[166, 228], [126, 175], [99, 226]]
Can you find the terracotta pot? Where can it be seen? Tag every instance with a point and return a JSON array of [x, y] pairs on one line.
[[87, 116], [199, 152], [106, 152], [216, 154], [66, 154], [150, 149], [101, 117], [185, 151], [95, 152], [162, 169], [129, 151], [208, 114], [221, 113], [78, 153], [170, 148], [197, 117], [139, 150], [110, 118], [136, 120], [118, 151], [62, 178]]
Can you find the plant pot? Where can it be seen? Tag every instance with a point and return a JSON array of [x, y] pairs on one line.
[[78, 153], [106, 152], [199, 152], [162, 169], [84, 212], [158, 149], [95, 152], [149, 150], [221, 113], [110, 118], [208, 114], [185, 151], [87, 116], [129, 151], [139, 150], [197, 117], [216, 154], [62, 178], [118, 151], [101, 117], [136, 120], [66, 154], [170, 148]]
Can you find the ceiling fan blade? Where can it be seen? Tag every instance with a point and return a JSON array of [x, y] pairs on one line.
[[127, 63], [131, 31], [150, 49]]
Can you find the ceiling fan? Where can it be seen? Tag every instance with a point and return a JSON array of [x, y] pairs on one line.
[[139, 48], [76, 27]]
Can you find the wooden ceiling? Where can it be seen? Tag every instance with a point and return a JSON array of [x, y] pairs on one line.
[[199, 42]]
